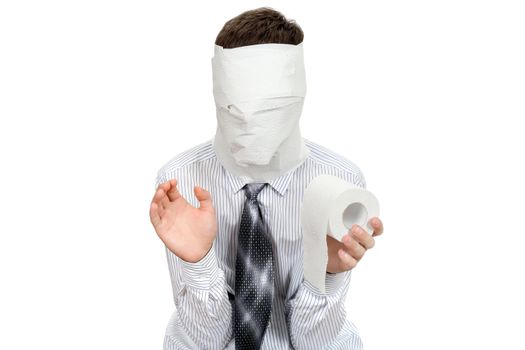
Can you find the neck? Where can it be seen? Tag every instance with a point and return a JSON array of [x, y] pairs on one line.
[[290, 154]]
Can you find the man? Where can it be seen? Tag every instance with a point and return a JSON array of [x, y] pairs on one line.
[[235, 248]]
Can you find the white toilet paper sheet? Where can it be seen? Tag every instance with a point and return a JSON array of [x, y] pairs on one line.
[[331, 206]]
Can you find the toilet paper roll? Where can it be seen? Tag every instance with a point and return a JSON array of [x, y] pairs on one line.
[[331, 206]]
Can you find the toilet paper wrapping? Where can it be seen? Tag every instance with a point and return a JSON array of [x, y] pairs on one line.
[[331, 206]]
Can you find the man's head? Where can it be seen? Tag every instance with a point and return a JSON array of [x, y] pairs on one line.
[[259, 26], [259, 87]]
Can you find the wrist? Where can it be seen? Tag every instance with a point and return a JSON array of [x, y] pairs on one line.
[[195, 258]]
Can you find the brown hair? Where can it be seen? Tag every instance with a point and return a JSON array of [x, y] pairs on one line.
[[263, 25]]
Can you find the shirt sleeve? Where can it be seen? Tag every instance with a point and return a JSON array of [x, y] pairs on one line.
[[201, 298], [315, 319]]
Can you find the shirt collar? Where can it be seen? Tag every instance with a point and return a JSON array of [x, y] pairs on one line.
[[280, 183]]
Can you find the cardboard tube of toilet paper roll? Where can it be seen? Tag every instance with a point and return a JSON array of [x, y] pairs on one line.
[[331, 206]]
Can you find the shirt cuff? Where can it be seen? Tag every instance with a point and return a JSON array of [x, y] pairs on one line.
[[203, 273], [333, 283]]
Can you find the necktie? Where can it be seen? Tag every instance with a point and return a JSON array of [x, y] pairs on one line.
[[253, 274]]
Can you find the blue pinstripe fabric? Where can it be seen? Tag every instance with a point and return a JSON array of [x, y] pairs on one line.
[[302, 318]]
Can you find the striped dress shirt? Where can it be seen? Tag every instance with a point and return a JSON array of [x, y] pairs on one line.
[[302, 318]]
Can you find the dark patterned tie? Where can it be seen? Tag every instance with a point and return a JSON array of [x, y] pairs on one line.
[[253, 274]]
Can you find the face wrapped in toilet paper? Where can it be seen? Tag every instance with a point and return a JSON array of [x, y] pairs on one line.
[[259, 93], [331, 206]]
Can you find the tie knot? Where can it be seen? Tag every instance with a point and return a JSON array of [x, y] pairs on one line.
[[252, 190]]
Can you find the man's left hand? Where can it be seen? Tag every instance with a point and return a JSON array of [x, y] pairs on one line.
[[344, 256]]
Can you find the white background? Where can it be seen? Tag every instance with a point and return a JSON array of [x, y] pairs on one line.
[[427, 98]]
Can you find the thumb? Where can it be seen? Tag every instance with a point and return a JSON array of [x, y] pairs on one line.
[[204, 197]]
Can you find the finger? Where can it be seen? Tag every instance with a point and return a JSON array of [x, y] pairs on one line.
[[204, 197], [353, 247], [362, 236], [173, 192], [377, 225], [165, 185], [347, 261], [156, 195], [160, 198], [154, 214]]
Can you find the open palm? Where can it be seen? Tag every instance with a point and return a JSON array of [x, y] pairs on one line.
[[186, 230]]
